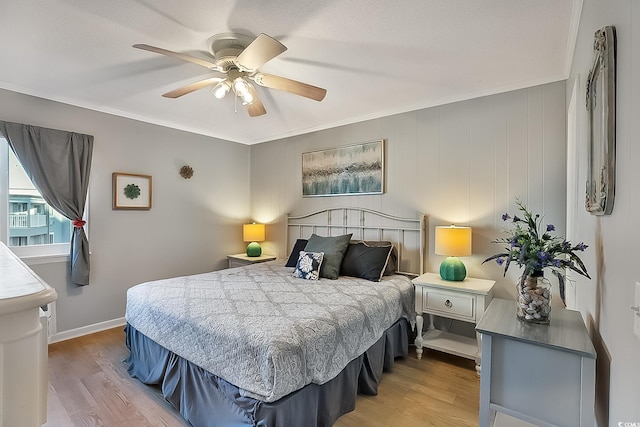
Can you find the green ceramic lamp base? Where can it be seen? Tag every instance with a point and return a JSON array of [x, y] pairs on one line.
[[254, 249], [453, 269]]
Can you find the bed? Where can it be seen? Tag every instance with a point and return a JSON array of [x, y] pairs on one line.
[[261, 346]]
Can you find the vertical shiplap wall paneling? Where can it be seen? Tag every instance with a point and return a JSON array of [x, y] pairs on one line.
[[401, 174], [519, 164], [263, 165], [461, 163], [464, 164], [464, 168], [427, 165], [448, 167], [554, 158], [427, 172], [483, 173], [535, 151], [501, 197], [517, 168]]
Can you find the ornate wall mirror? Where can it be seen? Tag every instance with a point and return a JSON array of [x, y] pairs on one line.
[[601, 111]]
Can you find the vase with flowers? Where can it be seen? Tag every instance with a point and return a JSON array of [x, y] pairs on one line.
[[534, 249]]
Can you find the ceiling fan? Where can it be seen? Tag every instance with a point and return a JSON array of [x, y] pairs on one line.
[[236, 60]]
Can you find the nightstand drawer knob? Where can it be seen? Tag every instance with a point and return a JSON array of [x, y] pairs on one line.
[[448, 304]]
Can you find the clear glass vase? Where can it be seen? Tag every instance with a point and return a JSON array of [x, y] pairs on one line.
[[533, 302]]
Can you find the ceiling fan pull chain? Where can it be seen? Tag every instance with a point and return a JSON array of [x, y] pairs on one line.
[[235, 102]]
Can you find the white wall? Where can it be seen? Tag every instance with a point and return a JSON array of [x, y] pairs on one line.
[[460, 163], [191, 228], [613, 257]]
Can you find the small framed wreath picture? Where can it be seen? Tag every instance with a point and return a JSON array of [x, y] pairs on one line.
[[131, 191]]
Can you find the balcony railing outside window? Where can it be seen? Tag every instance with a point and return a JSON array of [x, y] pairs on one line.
[[24, 220]]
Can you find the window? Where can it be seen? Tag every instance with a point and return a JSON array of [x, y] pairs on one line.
[[30, 227]]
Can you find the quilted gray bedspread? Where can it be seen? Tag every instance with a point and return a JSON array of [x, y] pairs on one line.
[[265, 331]]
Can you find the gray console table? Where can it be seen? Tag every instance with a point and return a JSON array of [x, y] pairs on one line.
[[542, 374]]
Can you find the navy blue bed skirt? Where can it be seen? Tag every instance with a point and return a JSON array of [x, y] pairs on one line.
[[208, 401]]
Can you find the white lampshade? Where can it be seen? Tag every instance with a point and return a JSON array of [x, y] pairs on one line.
[[453, 241]]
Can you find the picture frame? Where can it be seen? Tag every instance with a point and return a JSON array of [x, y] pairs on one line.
[[132, 191], [356, 169], [601, 112]]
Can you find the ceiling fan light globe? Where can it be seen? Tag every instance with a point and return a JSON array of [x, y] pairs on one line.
[[221, 89], [250, 95], [247, 98], [240, 87]]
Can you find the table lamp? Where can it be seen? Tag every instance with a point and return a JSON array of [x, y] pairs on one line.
[[253, 233], [453, 242]]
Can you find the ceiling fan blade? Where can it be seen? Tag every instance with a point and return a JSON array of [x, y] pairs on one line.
[[256, 108], [263, 49], [291, 86], [188, 58], [192, 87]]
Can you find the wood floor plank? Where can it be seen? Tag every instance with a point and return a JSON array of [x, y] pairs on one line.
[[89, 387], [56, 410]]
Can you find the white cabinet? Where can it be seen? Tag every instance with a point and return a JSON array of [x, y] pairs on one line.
[[23, 343], [465, 300], [541, 374]]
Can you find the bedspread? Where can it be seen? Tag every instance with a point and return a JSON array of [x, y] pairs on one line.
[[265, 331]]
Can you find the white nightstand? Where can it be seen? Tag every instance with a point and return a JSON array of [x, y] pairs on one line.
[[239, 260], [465, 300]]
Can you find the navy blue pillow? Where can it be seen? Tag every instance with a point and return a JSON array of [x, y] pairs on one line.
[[295, 252]]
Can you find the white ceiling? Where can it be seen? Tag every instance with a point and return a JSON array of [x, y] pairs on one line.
[[375, 58]]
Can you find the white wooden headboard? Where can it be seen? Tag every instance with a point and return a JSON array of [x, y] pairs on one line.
[[409, 235]]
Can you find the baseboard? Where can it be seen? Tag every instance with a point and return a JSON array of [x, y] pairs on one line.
[[86, 330]]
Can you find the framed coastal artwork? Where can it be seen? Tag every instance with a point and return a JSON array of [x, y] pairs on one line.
[[349, 170], [131, 191]]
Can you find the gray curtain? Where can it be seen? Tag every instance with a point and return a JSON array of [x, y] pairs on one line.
[[58, 164]]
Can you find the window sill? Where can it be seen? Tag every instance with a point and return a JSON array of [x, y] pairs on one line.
[[44, 259], [42, 254]]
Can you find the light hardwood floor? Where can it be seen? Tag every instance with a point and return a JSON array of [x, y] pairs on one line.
[[89, 386]]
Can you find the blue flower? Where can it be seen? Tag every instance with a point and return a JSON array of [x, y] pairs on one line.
[[516, 219], [581, 246], [543, 256], [505, 216], [551, 227], [499, 261], [557, 263]]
